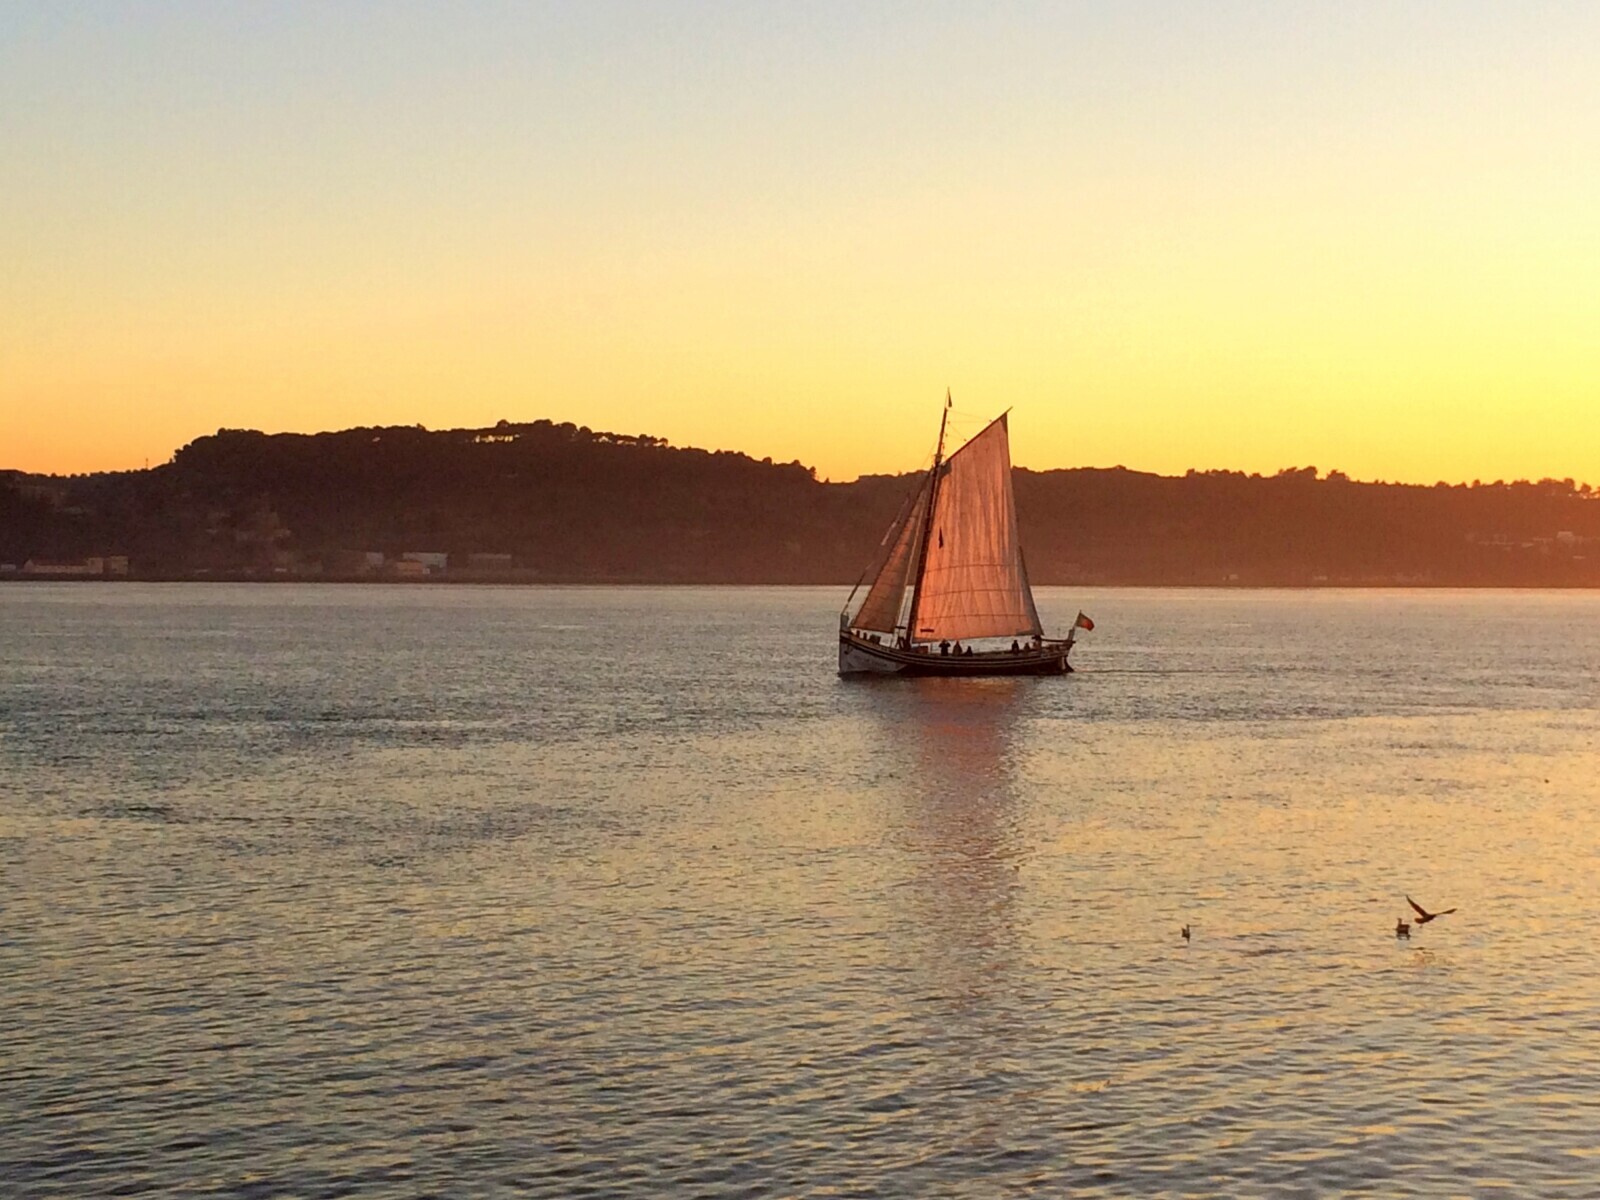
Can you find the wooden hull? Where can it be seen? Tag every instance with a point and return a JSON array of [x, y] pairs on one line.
[[860, 657]]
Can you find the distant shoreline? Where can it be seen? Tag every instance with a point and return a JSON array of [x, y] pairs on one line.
[[545, 504], [352, 581]]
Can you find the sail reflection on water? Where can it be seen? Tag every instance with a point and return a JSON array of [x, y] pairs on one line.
[[971, 999], [959, 821]]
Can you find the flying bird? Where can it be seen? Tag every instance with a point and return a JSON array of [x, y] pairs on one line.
[[1423, 915], [1401, 929]]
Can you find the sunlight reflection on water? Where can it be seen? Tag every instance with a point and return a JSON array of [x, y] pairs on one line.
[[311, 890]]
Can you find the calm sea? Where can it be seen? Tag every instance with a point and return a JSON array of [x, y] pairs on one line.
[[403, 891]]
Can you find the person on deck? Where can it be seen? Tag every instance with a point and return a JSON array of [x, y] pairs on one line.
[[1015, 649], [944, 648]]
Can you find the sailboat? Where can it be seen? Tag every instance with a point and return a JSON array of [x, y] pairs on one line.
[[949, 573]]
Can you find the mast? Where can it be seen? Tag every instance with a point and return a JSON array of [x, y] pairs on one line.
[[927, 522]]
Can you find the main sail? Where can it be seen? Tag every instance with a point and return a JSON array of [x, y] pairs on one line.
[[973, 583], [881, 610]]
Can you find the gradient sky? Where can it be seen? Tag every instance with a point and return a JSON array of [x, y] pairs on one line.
[[1363, 236]]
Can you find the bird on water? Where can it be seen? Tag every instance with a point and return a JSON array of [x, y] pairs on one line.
[[1401, 929], [1424, 916], [1185, 932]]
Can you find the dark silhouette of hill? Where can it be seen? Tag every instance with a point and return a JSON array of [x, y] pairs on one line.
[[552, 502]]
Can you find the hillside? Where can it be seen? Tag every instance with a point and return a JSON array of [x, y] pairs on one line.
[[559, 503]]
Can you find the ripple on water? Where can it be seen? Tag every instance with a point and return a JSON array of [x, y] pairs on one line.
[[392, 892]]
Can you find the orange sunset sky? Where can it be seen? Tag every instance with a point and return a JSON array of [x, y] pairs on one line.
[[1364, 236]]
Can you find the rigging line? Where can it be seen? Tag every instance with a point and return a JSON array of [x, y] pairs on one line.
[[990, 425], [890, 536]]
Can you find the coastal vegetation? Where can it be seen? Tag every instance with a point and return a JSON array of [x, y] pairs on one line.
[[561, 503]]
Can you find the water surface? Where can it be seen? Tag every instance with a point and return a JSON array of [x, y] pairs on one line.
[[396, 891]]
